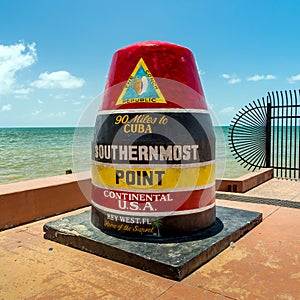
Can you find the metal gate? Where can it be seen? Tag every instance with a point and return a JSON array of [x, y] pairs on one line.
[[266, 133]]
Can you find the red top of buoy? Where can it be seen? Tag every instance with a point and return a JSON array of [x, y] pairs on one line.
[[153, 74]]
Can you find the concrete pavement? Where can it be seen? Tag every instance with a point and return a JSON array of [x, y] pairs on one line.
[[264, 264]]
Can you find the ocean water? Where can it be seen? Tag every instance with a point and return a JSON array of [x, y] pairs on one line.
[[28, 153]]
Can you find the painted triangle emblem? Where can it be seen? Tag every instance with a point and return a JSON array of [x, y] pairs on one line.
[[141, 87]]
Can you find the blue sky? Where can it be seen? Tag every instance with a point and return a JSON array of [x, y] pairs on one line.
[[54, 55]]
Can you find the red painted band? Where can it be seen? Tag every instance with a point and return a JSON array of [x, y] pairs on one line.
[[159, 202]]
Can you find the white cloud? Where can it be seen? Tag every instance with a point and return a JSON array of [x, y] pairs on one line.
[[270, 77], [227, 110], [14, 58], [256, 78], [40, 101], [234, 80], [294, 78], [59, 79], [59, 96], [6, 107], [76, 103], [226, 76], [231, 79], [22, 91], [261, 77], [201, 72], [37, 112], [58, 114]]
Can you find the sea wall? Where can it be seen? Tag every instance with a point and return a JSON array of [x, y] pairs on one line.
[[30, 200], [246, 182]]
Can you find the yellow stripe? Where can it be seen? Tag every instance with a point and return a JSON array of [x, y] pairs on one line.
[[153, 178]]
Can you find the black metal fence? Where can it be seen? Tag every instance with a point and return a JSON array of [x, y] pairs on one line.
[[266, 133]]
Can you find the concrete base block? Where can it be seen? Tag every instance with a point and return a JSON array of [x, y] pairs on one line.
[[172, 258]]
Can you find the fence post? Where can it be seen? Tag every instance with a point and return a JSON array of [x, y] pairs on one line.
[[268, 135]]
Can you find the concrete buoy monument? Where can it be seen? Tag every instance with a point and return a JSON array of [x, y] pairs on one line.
[[153, 153], [153, 169]]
